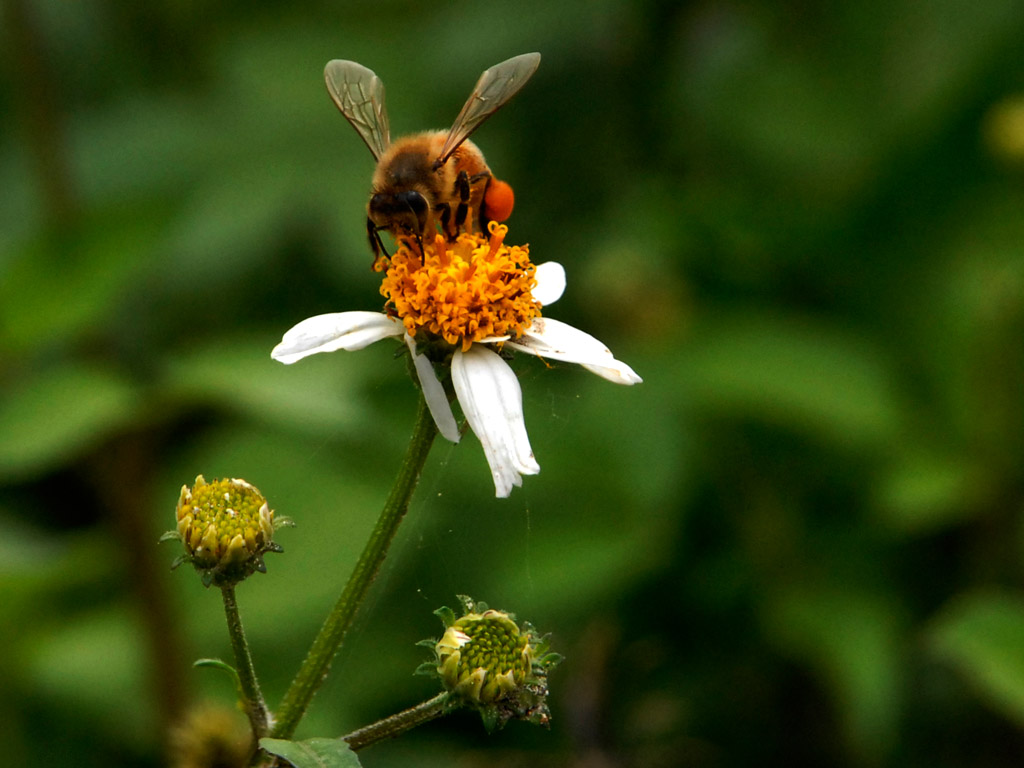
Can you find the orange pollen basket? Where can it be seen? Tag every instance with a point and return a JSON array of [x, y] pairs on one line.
[[464, 291]]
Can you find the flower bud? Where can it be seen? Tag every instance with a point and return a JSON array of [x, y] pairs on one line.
[[1004, 130], [492, 664], [226, 527], [210, 736]]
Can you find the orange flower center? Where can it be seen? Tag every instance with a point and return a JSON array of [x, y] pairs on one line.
[[463, 291]]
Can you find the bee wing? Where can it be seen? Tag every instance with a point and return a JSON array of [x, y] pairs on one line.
[[495, 87], [359, 94]]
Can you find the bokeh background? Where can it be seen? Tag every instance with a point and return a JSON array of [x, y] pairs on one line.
[[798, 542]]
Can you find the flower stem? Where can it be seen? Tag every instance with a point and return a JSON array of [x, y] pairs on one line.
[[255, 707], [398, 723], [314, 669]]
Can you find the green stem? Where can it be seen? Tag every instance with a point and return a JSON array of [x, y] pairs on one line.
[[38, 92], [255, 707], [318, 661], [398, 723]]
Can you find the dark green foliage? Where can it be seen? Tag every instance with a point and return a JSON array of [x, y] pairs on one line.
[[798, 542]]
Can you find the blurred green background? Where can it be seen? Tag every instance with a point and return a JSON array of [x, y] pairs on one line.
[[798, 542]]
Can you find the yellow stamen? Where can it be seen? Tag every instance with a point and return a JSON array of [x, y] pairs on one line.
[[223, 519], [462, 291]]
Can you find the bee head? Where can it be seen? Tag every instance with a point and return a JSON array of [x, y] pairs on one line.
[[406, 211]]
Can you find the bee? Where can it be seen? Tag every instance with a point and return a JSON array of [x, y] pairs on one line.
[[434, 178]]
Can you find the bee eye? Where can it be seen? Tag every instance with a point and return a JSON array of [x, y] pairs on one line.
[[414, 200], [417, 204]]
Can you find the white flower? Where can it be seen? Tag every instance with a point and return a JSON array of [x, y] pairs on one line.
[[486, 387]]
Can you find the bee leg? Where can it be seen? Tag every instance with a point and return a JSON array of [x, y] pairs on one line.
[[485, 177], [376, 244], [446, 217], [462, 183]]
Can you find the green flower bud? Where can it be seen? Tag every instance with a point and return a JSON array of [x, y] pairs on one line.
[[483, 656], [226, 527], [492, 664]]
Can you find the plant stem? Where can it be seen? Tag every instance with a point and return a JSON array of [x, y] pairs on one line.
[[398, 723], [318, 661], [38, 97], [255, 707]]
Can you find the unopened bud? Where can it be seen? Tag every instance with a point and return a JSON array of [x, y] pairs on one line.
[[210, 736], [492, 663], [226, 527]]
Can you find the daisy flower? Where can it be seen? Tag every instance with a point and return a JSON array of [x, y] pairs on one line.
[[457, 305]]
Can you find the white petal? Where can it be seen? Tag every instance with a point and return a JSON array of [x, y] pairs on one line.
[[433, 393], [550, 283], [617, 373], [334, 331], [494, 339], [555, 340], [490, 396]]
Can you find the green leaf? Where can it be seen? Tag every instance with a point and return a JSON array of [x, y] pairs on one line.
[[227, 668], [93, 663], [982, 635], [850, 638], [57, 289], [218, 664], [446, 615], [427, 668], [237, 373], [313, 753], [924, 491], [795, 372], [54, 416]]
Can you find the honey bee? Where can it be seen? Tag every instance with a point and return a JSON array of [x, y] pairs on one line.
[[432, 178]]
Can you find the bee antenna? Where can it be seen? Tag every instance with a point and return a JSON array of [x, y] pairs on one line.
[[380, 243]]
